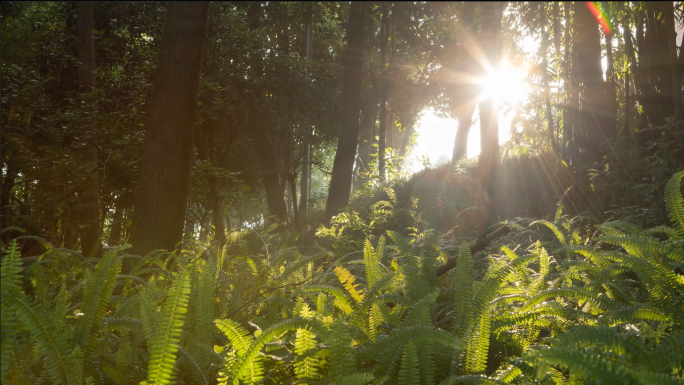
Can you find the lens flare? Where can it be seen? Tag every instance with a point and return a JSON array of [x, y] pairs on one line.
[[600, 17]]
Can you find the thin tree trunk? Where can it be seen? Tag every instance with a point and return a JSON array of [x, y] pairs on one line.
[[292, 179], [341, 179], [382, 140], [675, 69], [90, 213], [268, 158], [164, 180], [366, 135], [489, 128], [204, 142], [306, 169], [588, 44], [545, 75], [465, 122], [566, 66]]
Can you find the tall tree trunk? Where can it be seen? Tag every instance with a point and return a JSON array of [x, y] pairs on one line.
[[266, 151], [382, 140], [164, 180], [545, 79], [341, 179], [89, 215], [306, 159], [204, 142], [292, 181], [566, 67], [366, 135], [593, 104], [465, 121], [489, 127], [675, 68], [610, 126]]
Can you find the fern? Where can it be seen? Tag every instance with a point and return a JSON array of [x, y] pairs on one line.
[[349, 282], [675, 203], [478, 346], [164, 346], [97, 294], [409, 373], [11, 281], [463, 289], [204, 301], [63, 367], [306, 364], [371, 263]]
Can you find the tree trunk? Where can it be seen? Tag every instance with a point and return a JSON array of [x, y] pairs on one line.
[[292, 181], [489, 127], [593, 103], [545, 78], [164, 180], [465, 121], [366, 135], [268, 158], [204, 142], [341, 179], [382, 140], [89, 215], [675, 68], [566, 146]]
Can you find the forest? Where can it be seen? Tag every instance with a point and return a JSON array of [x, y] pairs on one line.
[[252, 193]]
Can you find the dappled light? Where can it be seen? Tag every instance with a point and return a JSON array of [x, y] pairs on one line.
[[349, 193]]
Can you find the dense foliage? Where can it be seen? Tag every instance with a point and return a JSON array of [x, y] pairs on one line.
[[218, 193]]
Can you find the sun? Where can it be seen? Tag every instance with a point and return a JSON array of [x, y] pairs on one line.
[[506, 85]]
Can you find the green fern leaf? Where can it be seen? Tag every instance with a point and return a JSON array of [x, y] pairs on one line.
[[97, 294], [409, 373], [63, 367], [164, 346], [674, 201]]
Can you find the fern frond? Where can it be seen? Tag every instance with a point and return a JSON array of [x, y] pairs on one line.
[[478, 346], [348, 281], [463, 289], [97, 294], [341, 301], [409, 373], [356, 379], [204, 303], [370, 263], [164, 346], [61, 365], [306, 364], [554, 229], [674, 202]]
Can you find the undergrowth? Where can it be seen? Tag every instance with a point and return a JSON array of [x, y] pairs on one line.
[[555, 301]]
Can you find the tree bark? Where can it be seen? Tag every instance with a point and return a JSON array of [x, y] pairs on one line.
[[566, 146], [489, 127], [341, 179], [675, 68], [268, 157], [366, 135], [164, 180], [89, 216], [465, 122], [382, 140], [545, 78], [204, 142], [593, 104]]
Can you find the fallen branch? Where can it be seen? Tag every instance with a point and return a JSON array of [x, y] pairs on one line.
[[478, 246]]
